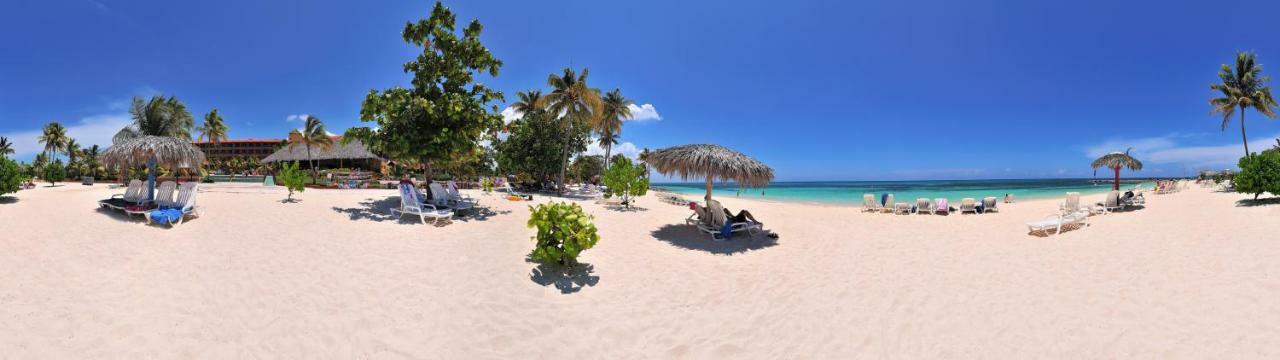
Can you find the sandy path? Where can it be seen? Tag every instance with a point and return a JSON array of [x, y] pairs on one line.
[[334, 276]]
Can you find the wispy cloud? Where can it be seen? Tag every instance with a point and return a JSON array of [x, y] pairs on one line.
[[100, 6], [644, 112], [510, 114], [296, 117], [88, 131], [1168, 150], [959, 173], [624, 148]]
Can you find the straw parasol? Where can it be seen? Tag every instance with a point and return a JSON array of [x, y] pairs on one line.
[[151, 150], [1117, 160], [710, 161]]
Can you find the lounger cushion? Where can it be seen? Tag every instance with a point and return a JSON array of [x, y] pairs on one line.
[[166, 215]]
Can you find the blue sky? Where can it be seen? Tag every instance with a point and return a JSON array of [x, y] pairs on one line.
[[820, 90]]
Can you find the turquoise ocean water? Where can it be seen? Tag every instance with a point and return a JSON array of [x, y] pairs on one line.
[[850, 192]]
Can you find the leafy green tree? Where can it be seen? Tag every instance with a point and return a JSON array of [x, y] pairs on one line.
[[54, 137], [533, 147], [614, 110], [292, 179], [564, 232], [6, 147], [313, 134], [626, 179], [1242, 87], [38, 164], [586, 167], [1258, 174], [54, 172], [91, 159], [72, 149], [445, 112], [11, 176], [577, 105]]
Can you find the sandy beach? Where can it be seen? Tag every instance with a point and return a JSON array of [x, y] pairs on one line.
[[1193, 275]]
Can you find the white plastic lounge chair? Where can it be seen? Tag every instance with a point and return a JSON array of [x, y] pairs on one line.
[[1057, 222], [989, 205], [185, 202], [458, 196], [923, 206], [869, 203], [1111, 204], [941, 207], [411, 205], [902, 208], [888, 204], [441, 198], [717, 220], [513, 192], [164, 194], [1071, 204], [968, 205], [131, 196]]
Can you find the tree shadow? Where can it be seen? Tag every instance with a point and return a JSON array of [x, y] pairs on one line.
[[1065, 228], [688, 237], [377, 210], [567, 279], [621, 208], [115, 214], [479, 213], [290, 201], [8, 199], [1259, 202]]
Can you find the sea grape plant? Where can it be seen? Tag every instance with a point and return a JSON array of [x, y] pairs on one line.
[[564, 231], [292, 179]]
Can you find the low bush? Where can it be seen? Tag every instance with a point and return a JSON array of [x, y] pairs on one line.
[[564, 232], [292, 179], [53, 173], [11, 176], [1259, 173]]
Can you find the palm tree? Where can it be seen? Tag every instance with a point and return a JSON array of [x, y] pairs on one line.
[[1242, 87], [91, 159], [54, 138], [72, 148], [644, 159], [312, 134], [1115, 161], [213, 129], [6, 147], [159, 116], [615, 110], [575, 103]]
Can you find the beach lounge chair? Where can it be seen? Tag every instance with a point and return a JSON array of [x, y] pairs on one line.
[[1071, 204], [440, 199], [869, 203], [164, 193], [512, 192], [1111, 204], [923, 206], [410, 204], [716, 219], [901, 208], [455, 195], [968, 205], [888, 204], [131, 196], [941, 207], [1057, 222], [174, 211], [989, 205]]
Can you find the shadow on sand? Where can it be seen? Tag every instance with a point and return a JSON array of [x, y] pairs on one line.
[[380, 210], [8, 200], [1259, 202], [688, 237], [567, 279], [620, 208], [117, 215]]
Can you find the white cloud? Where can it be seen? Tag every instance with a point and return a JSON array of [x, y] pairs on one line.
[[1167, 150], [510, 114], [296, 117], [625, 148], [644, 112], [89, 131]]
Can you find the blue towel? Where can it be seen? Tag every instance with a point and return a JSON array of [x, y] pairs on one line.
[[166, 215], [727, 230], [884, 199]]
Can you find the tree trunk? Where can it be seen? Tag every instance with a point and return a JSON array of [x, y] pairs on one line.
[[564, 163], [1117, 183], [1243, 138], [709, 187], [312, 164], [607, 150]]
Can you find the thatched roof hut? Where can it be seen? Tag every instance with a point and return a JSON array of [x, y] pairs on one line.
[[170, 152], [354, 150], [712, 162]]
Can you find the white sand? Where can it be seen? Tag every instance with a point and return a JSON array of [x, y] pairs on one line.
[[1190, 276]]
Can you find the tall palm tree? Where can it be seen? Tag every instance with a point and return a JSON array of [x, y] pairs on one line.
[[159, 116], [1115, 161], [576, 103], [1242, 87], [312, 134], [54, 138], [72, 148], [644, 159], [213, 129], [529, 102], [91, 158], [6, 147], [614, 111]]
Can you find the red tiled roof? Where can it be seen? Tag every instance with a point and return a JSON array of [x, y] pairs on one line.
[[243, 141]]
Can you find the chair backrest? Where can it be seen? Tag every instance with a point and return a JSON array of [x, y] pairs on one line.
[[439, 196], [968, 203], [940, 204], [1113, 199], [989, 202], [409, 199], [453, 189], [888, 202], [186, 196], [922, 204], [164, 193], [1073, 202], [134, 192], [717, 213], [869, 201]]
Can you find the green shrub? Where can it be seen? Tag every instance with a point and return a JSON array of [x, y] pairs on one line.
[[11, 176], [487, 184], [55, 172], [1258, 174], [564, 231], [292, 178], [626, 179]]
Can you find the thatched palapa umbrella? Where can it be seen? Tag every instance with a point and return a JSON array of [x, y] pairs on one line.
[[151, 150], [1115, 161], [710, 161]]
